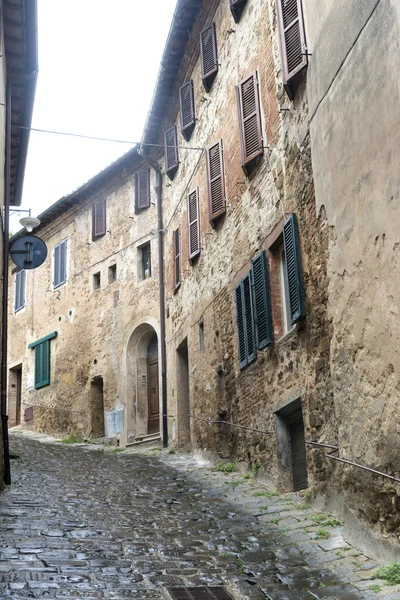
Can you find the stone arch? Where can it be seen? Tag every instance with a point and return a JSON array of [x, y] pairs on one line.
[[137, 379]]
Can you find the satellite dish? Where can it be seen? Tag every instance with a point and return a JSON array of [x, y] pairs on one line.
[[28, 252]]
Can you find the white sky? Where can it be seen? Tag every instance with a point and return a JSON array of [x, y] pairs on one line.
[[98, 64]]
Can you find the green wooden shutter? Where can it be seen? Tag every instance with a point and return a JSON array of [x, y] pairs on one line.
[[293, 269], [42, 364], [38, 365], [245, 322], [262, 301]]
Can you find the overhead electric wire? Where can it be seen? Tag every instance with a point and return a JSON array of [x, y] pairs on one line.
[[102, 139]]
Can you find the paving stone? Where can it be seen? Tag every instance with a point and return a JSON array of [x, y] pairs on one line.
[[129, 525]]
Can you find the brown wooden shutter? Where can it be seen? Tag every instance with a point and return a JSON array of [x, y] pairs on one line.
[[171, 152], [209, 55], [237, 7], [99, 225], [193, 223], [251, 141], [215, 180], [177, 257], [188, 120], [292, 40], [142, 190]]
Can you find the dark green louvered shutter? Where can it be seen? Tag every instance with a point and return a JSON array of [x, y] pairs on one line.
[[293, 269], [262, 302], [42, 364], [245, 322]]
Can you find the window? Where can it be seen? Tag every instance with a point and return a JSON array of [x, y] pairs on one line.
[[216, 182], [142, 190], [270, 299], [99, 221], [237, 7], [188, 119], [112, 273], [20, 280], [177, 257], [193, 224], [209, 56], [42, 360], [171, 152], [60, 264], [201, 334], [251, 140], [96, 281], [292, 42], [144, 261]]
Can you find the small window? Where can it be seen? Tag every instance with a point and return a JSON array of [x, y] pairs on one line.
[[60, 264], [96, 281], [112, 273], [19, 301], [145, 261], [201, 334], [177, 257]]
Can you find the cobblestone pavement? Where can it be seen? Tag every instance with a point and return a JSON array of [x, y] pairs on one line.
[[91, 523]]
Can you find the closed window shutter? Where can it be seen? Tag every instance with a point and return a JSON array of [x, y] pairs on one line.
[[193, 223], [171, 151], [216, 183], [292, 40], [251, 141], [63, 261], [237, 7], [142, 190], [186, 97], [99, 225], [245, 322], [57, 275], [42, 364], [19, 301], [242, 351], [262, 301], [177, 257], [293, 269], [209, 55]]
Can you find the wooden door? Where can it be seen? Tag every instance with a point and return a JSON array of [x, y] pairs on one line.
[[19, 397], [299, 455], [153, 401]]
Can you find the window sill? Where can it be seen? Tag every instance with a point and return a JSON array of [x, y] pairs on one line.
[[55, 287], [287, 335], [17, 310]]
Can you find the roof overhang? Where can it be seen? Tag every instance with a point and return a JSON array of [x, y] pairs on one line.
[[21, 51]]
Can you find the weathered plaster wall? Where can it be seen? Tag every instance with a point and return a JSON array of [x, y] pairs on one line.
[[93, 326], [297, 364], [354, 97]]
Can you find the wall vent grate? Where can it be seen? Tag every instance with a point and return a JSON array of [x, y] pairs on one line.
[[200, 593]]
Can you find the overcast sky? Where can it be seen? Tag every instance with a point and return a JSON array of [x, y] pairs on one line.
[[98, 64]]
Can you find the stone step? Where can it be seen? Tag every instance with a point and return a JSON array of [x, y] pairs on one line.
[[145, 439]]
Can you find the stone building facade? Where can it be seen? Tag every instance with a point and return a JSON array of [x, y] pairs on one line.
[[18, 75], [85, 325]]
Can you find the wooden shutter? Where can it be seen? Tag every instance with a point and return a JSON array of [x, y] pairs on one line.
[[99, 225], [216, 182], [248, 100], [171, 151], [237, 7], [293, 269], [245, 322], [142, 190], [262, 302], [193, 223], [19, 300], [298, 451], [292, 40], [188, 120], [57, 277], [42, 364], [63, 261], [209, 55], [177, 257]]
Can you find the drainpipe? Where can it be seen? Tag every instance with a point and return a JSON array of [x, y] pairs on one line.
[[4, 317], [160, 235]]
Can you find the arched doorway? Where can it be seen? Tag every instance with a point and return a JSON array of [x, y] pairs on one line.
[[143, 382], [153, 404]]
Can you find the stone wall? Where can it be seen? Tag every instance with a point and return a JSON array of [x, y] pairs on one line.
[[354, 98], [93, 325], [297, 365]]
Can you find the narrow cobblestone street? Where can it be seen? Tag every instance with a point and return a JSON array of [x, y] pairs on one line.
[[92, 523]]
